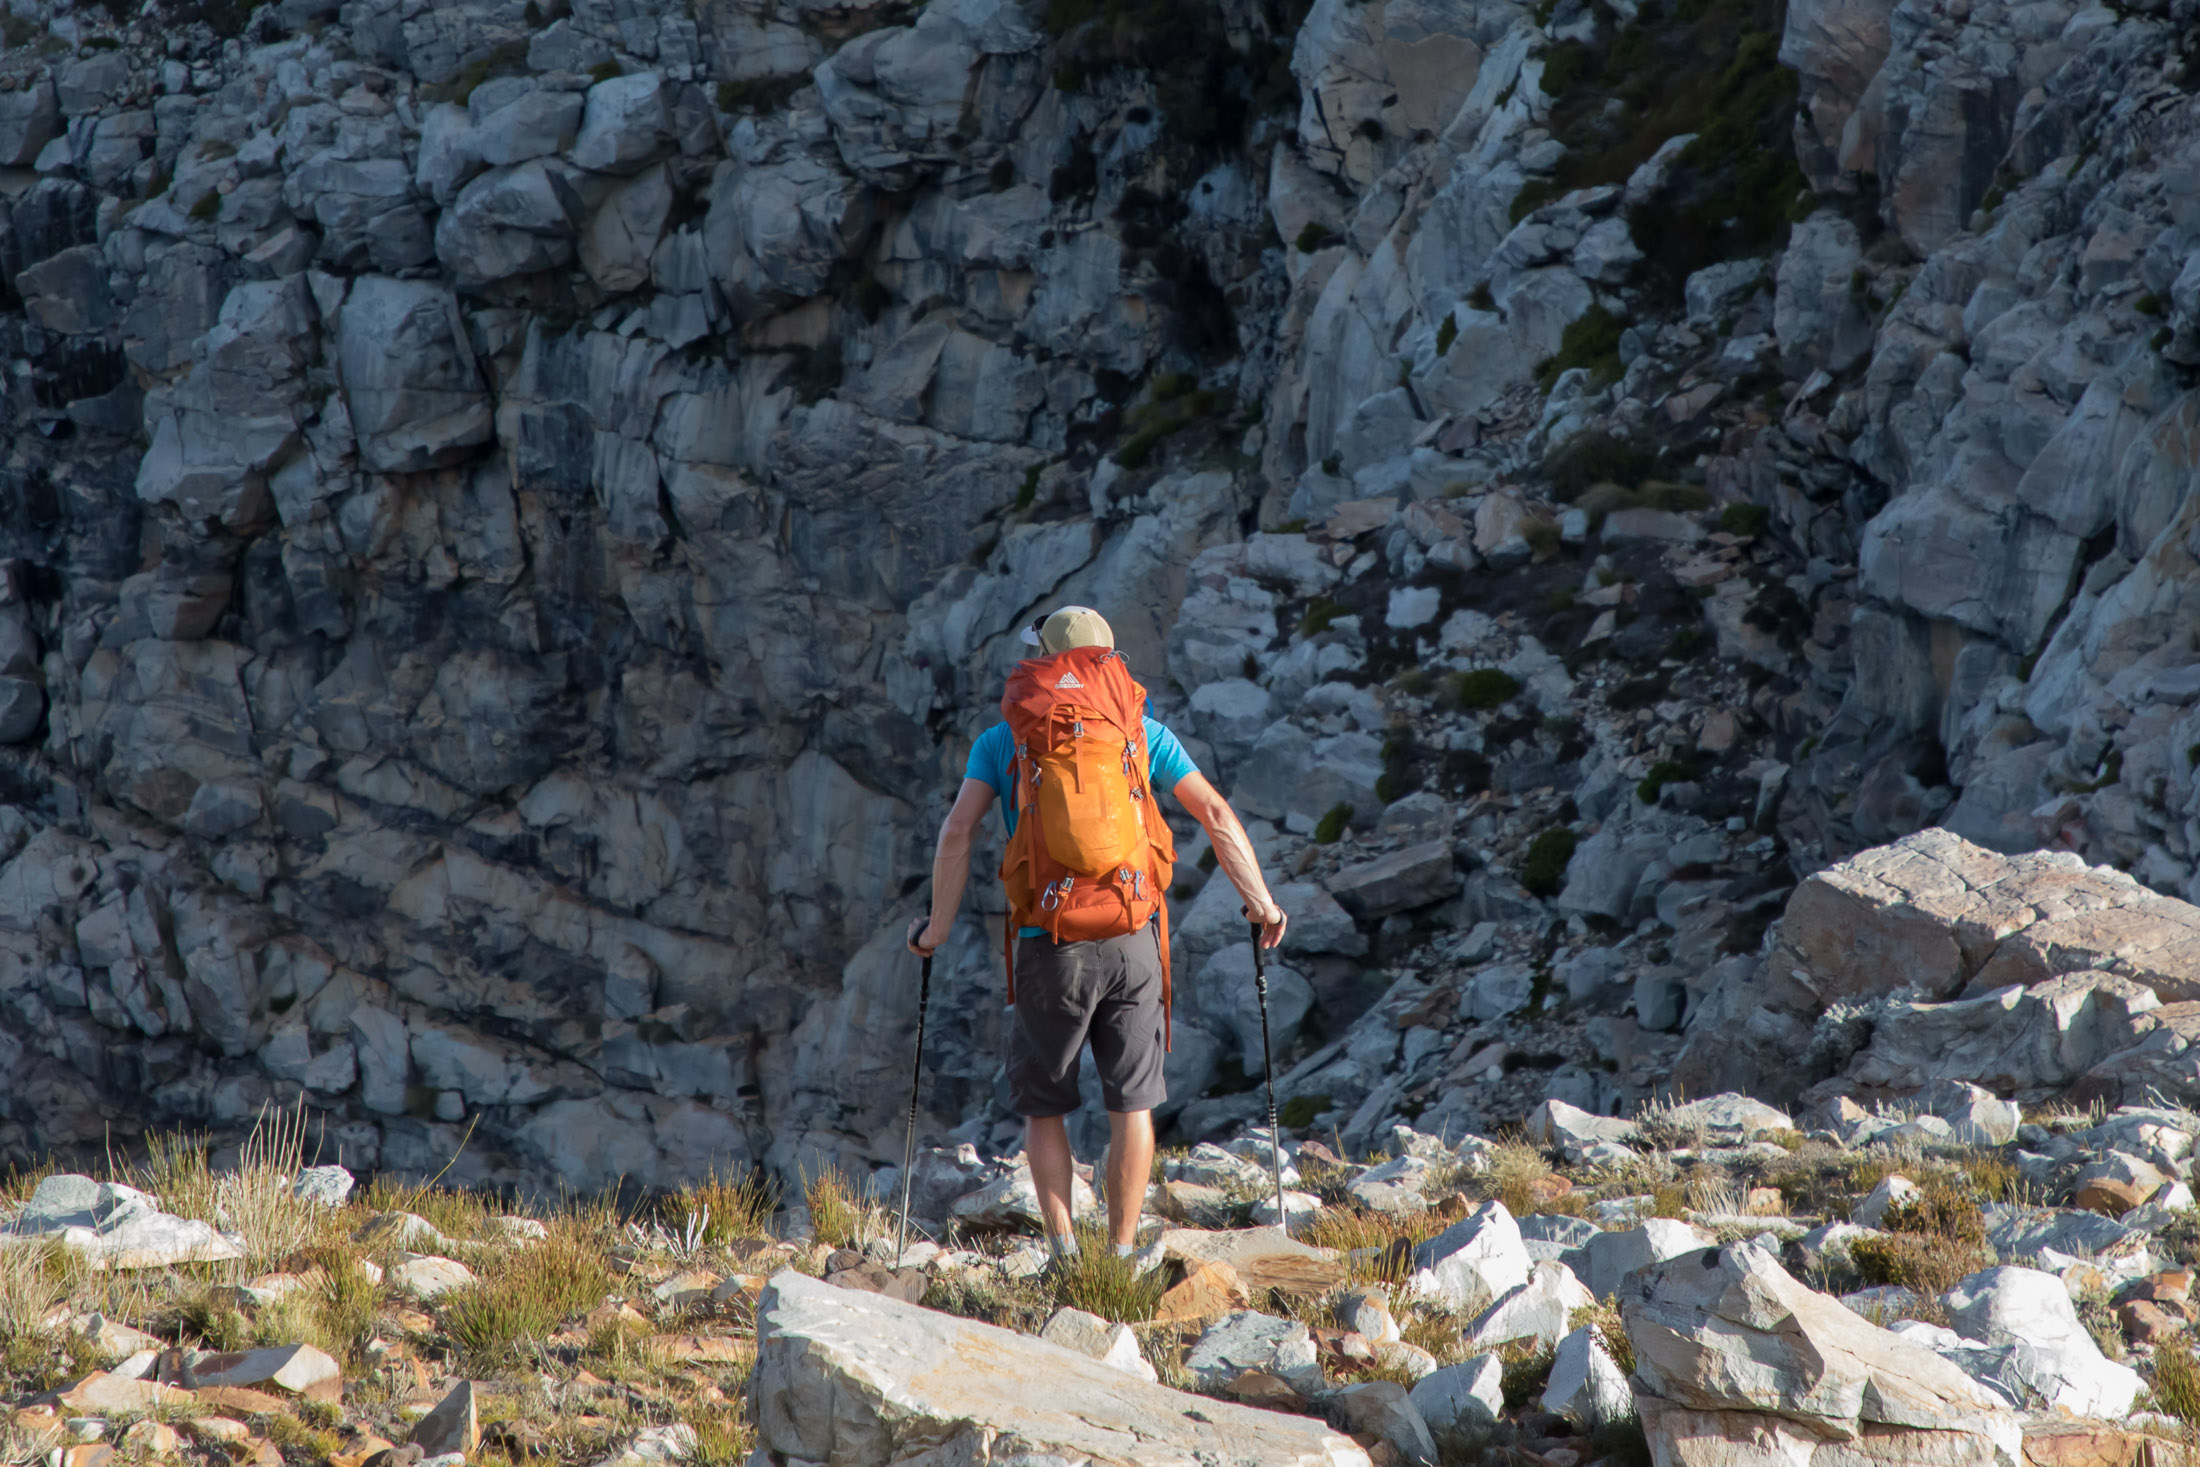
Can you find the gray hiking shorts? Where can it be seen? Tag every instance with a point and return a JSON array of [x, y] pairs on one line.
[[1107, 992]]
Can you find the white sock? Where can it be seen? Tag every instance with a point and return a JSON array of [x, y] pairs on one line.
[[1064, 1245], [1126, 1250]]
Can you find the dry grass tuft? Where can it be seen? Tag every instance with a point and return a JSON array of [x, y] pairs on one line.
[[2177, 1380], [502, 1320], [1603, 1317], [841, 1214], [1099, 1282], [724, 1212]]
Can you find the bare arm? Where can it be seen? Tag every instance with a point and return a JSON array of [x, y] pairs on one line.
[[1234, 852], [951, 866]]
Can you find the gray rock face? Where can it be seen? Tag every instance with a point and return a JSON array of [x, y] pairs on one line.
[[410, 381]]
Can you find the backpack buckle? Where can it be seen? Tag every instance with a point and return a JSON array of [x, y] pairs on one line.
[[1056, 890]]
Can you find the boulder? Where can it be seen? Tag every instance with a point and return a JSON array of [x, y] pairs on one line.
[[1609, 1261], [1397, 1188], [1945, 918], [1473, 1263], [327, 1185], [1542, 1309], [1572, 1131], [415, 395], [426, 1277], [1383, 1410], [112, 1226], [298, 1370], [1585, 1385], [626, 124], [1397, 882], [1975, 1116], [1891, 1191], [1012, 1199], [1461, 1399], [2056, 1359], [30, 116], [1088, 1334], [1248, 1340], [842, 1376], [454, 1426], [1226, 993], [1735, 1361]]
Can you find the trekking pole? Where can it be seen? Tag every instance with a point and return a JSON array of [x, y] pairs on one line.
[[909, 1147], [1268, 1066]]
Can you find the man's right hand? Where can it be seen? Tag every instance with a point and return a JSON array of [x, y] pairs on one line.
[[923, 939], [1272, 922]]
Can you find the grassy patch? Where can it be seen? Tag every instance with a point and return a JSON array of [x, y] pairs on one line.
[[1544, 872], [1301, 1111], [1595, 458], [1319, 613], [1527, 1369], [501, 1320], [1746, 520], [1591, 340], [1331, 827], [1662, 773], [726, 1212], [1932, 1240], [839, 1215], [1099, 1282], [2177, 1380], [1482, 689]]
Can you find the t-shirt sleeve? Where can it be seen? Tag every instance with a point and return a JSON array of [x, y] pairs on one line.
[[989, 760], [1166, 761]]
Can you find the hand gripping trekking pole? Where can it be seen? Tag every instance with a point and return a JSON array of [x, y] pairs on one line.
[[909, 1147], [1268, 1065]]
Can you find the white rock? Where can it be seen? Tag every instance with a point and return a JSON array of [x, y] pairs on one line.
[[839, 1373], [1472, 1263], [1586, 1386], [425, 1277], [1872, 1211], [1541, 1309], [1089, 1334], [1247, 1340], [2058, 1360], [1462, 1397]]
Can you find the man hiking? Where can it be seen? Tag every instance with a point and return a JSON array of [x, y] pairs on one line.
[[1088, 862]]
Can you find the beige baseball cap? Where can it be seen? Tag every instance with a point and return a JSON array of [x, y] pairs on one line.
[[1070, 626]]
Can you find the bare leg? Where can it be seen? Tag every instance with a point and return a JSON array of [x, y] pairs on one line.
[[1046, 1139], [1130, 1167]]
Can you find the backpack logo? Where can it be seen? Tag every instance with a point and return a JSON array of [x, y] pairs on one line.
[[1068, 680]]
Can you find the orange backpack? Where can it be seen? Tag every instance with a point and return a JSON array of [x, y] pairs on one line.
[[1091, 857]]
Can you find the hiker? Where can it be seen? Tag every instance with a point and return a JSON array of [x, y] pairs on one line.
[[1088, 929]]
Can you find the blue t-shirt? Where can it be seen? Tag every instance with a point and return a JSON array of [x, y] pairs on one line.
[[993, 757]]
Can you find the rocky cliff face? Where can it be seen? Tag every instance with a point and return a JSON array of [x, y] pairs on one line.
[[515, 513]]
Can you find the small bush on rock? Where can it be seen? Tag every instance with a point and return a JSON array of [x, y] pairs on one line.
[[1482, 689], [1549, 854]]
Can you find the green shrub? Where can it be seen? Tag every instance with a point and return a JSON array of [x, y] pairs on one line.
[[1483, 688], [1591, 340], [1028, 491], [1595, 458], [1319, 613], [1301, 1111], [1135, 450], [1313, 237], [1662, 773], [1549, 853], [1330, 828], [604, 71], [1746, 520], [206, 206], [1447, 332]]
